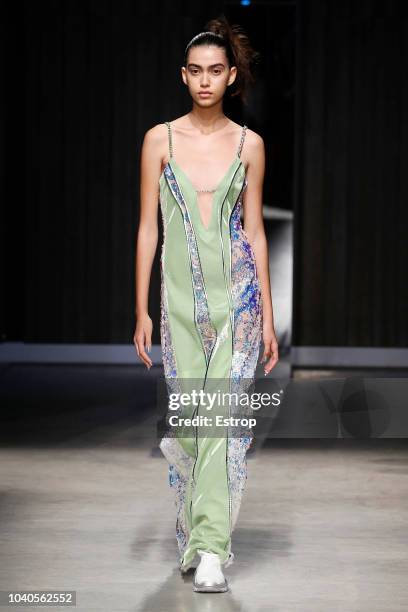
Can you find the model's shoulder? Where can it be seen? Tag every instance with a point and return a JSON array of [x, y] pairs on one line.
[[156, 134], [253, 139]]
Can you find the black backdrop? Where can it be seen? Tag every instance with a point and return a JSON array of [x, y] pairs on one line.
[[85, 79], [351, 189]]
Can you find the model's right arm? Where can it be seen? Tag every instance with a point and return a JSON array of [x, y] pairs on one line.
[[147, 237]]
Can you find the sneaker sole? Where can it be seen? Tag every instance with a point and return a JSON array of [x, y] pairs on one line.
[[216, 588]]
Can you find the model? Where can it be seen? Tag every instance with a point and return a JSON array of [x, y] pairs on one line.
[[216, 302]]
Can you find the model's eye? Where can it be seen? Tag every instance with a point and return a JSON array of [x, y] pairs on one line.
[[217, 71]]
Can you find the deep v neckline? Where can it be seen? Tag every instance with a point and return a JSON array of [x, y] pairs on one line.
[[172, 162], [217, 189]]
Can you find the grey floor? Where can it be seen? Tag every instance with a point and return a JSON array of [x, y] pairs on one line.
[[85, 505]]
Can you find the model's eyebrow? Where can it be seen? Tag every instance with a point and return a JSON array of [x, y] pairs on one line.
[[212, 65]]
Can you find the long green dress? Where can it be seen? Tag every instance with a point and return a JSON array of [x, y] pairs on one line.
[[211, 323]]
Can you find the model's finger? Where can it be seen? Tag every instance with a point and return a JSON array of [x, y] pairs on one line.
[[142, 353], [272, 362], [273, 358], [145, 359]]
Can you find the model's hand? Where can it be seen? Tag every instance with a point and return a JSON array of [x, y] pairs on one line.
[[143, 338], [270, 354]]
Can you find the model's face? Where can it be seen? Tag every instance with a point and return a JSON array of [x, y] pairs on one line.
[[207, 74]]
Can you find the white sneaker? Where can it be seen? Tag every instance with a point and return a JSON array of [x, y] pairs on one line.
[[195, 562], [208, 577]]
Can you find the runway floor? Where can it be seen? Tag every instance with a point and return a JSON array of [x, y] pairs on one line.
[[85, 505]]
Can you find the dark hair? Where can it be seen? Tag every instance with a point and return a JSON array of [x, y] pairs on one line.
[[237, 47]]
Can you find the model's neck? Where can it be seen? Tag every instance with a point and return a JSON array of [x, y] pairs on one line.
[[208, 119]]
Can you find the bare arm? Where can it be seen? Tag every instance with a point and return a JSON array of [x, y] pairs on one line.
[[255, 230], [147, 237]]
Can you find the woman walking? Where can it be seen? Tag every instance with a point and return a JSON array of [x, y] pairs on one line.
[[216, 303]]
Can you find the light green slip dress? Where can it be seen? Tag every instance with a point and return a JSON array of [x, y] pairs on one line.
[[211, 328]]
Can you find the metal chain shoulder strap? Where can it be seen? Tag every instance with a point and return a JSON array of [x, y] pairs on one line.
[[170, 139], [244, 127]]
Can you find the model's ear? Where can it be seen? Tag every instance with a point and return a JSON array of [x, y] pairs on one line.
[[232, 75], [184, 75]]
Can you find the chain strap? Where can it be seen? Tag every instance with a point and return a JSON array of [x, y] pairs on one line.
[[170, 139], [244, 127]]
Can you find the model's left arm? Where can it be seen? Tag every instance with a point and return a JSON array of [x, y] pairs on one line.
[[255, 230]]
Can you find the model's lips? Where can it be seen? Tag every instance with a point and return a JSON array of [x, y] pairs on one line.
[[205, 93]]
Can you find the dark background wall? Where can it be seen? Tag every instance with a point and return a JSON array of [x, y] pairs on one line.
[[351, 208], [83, 82]]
